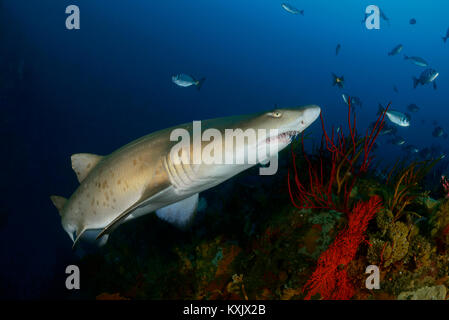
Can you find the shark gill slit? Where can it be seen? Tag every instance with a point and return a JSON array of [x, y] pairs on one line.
[[177, 176]]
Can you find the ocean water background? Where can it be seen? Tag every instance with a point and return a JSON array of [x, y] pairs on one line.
[[100, 87]]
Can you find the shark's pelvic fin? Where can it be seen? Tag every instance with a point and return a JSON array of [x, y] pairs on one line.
[[59, 202], [83, 163], [78, 236], [180, 213]]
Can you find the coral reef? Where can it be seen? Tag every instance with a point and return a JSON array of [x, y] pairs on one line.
[[311, 239]]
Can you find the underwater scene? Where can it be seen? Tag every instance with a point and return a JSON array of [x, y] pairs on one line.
[[224, 150]]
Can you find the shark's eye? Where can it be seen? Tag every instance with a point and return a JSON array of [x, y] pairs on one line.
[[276, 114]]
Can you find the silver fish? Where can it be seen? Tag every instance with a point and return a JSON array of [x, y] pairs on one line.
[[185, 80], [427, 76], [289, 8], [417, 61], [396, 50]]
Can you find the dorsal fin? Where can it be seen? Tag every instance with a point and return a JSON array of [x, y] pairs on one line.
[[59, 202], [83, 163]]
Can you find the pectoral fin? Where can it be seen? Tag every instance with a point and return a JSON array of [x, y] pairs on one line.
[[121, 217], [180, 213]]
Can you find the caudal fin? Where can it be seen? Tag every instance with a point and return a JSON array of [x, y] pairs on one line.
[[415, 82], [301, 12], [444, 39], [406, 57], [200, 83]]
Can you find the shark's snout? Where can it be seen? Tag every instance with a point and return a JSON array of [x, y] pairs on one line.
[[311, 113]]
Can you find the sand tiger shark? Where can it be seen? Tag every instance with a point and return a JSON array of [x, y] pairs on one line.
[[141, 177]]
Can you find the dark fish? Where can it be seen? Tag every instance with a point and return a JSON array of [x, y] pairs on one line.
[[412, 21], [411, 149], [427, 76], [339, 81], [395, 89], [412, 107], [337, 50], [446, 36], [398, 141], [396, 50], [438, 132], [355, 101], [390, 130]]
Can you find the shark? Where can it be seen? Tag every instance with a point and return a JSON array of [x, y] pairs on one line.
[[143, 177]]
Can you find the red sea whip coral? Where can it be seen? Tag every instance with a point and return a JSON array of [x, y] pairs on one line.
[[330, 182], [445, 184], [330, 278]]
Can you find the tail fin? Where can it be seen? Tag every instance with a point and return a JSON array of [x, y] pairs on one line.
[[415, 82], [301, 12], [200, 83], [444, 39], [406, 57]]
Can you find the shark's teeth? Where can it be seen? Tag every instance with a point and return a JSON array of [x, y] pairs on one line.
[[285, 137]]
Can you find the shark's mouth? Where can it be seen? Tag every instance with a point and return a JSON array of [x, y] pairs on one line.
[[283, 138]]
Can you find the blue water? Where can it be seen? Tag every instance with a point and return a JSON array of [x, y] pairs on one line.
[[100, 87]]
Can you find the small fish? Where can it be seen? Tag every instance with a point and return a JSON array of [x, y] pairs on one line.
[[412, 107], [337, 50], [396, 50], [412, 21], [355, 101], [411, 149], [395, 89], [339, 81], [417, 61], [446, 36], [291, 9], [185, 80], [396, 117], [438, 132], [427, 76], [390, 130], [398, 141]]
